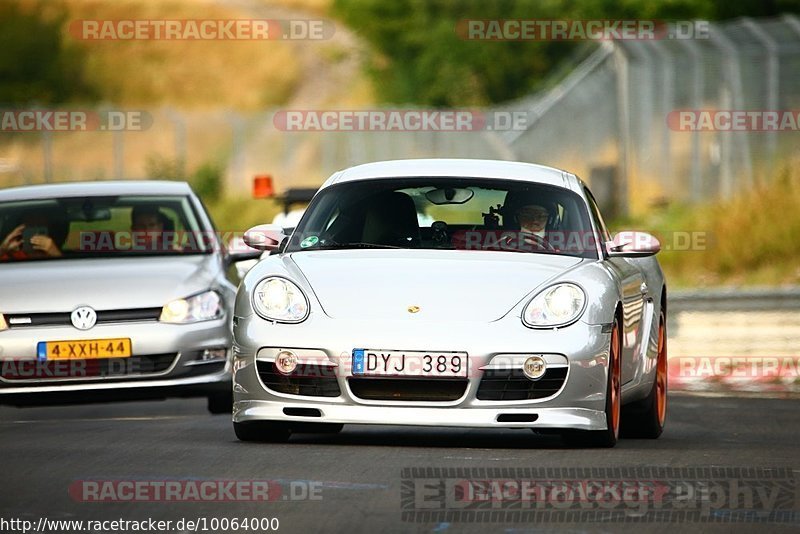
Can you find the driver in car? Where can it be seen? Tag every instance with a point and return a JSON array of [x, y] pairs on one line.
[[532, 220], [149, 230]]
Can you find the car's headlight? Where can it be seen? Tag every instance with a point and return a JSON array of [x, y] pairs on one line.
[[278, 299], [202, 307], [3, 323], [555, 306]]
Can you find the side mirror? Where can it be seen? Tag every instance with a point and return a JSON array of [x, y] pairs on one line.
[[264, 237], [243, 255], [632, 244]]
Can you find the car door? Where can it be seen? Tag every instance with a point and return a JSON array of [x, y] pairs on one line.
[[633, 289]]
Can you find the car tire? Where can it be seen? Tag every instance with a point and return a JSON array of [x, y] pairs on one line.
[[609, 436], [645, 419], [262, 431], [220, 403]]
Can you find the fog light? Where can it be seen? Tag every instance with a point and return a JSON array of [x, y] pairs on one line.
[[213, 354], [534, 367], [286, 362]]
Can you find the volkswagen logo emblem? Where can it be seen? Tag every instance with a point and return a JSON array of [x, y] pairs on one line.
[[83, 318]]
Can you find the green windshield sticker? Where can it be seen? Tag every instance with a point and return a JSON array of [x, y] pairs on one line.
[[310, 241]]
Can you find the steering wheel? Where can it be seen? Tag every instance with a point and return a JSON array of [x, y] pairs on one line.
[[540, 241]]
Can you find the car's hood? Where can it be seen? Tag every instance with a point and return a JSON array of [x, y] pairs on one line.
[[445, 285], [104, 284]]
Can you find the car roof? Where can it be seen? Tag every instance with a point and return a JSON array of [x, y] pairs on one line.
[[474, 168], [96, 188]]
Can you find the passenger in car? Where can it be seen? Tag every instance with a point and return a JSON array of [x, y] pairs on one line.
[[37, 236]]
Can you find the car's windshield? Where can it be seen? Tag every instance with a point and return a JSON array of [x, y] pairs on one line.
[[447, 213], [107, 227]]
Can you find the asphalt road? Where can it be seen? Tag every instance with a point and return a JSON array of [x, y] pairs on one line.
[[356, 479]]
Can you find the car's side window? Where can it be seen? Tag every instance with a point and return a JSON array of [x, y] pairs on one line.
[[596, 215]]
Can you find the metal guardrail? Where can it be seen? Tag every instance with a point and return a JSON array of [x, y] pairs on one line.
[[735, 299]]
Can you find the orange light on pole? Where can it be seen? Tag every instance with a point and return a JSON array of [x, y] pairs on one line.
[[262, 186]]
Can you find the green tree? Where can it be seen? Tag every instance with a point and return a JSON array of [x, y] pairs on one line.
[[36, 64], [418, 57]]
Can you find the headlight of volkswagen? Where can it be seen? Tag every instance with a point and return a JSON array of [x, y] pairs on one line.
[[555, 306], [278, 299], [3, 324], [202, 307]]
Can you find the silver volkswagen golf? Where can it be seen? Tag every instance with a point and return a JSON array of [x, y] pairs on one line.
[[112, 290], [452, 293]]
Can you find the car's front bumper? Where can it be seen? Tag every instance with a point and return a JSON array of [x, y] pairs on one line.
[[578, 404], [181, 350]]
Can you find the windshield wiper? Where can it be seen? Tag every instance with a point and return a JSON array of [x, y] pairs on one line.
[[334, 245]]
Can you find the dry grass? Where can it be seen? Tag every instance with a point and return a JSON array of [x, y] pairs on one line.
[[751, 239], [240, 75], [240, 213], [210, 86], [319, 7]]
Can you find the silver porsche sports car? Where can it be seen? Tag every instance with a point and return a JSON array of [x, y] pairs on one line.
[[113, 290], [463, 293]]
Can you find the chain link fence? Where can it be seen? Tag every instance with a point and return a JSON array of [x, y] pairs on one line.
[[607, 121], [243, 144]]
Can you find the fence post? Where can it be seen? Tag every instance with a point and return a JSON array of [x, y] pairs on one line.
[[733, 76], [772, 73], [623, 106], [119, 154], [237, 161], [667, 104], [179, 129], [696, 190], [47, 154]]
